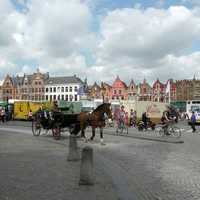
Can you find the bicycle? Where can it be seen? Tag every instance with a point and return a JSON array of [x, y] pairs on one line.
[[122, 127], [171, 130]]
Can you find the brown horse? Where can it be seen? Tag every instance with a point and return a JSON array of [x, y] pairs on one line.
[[96, 119]]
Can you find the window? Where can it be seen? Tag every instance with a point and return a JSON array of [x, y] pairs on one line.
[[70, 89], [63, 97], [54, 97], [50, 89], [58, 97], [54, 89], [39, 83], [47, 89], [66, 97], [50, 97], [115, 92], [120, 92], [36, 83], [66, 89], [58, 89], [62, 90], [40, 90], [75, 89], [33, 90], [75, 97], [36, 89]]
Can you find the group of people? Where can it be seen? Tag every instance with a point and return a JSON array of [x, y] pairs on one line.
[[122, 117], [170, 115]]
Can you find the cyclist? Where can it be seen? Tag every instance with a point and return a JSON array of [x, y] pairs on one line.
[[167, 119]]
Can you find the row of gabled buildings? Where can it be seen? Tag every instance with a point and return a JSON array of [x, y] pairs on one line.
[[41, 87], [119, 90]]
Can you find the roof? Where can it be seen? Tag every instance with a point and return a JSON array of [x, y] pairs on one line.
[[63, 80], [119, 83]]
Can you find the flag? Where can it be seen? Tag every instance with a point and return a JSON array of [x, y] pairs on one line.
[[168, 87]]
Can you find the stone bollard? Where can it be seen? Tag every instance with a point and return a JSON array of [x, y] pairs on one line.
[[87, 170], [73, 151]]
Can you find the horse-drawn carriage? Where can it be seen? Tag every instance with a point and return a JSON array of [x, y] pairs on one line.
[[65, 117], [55, 121], [74, 122]]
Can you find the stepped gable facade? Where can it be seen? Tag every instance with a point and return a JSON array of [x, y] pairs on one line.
[[106, 91], [119, 90], [95, 91], [8, 88], [144, 91], [132, 90], [26, 87], [158, 91]]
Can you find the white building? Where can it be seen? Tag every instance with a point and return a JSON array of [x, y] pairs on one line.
[[63, 88]]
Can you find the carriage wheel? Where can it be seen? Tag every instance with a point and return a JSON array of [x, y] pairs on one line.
[[56, 132], [36, 128]]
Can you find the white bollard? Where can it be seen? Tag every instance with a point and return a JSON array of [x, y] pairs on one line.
[[87, 169], [73, 151]]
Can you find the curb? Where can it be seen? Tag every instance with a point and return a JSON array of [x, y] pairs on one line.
[[175, 141]]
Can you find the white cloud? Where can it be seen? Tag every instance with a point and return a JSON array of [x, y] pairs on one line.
[[138, 36], [139, 43], [51, 32], [134, 42]]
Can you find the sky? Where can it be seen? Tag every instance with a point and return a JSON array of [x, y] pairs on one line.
[[101, 39]]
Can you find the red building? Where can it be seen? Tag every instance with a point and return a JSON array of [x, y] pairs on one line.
[[119, 90]]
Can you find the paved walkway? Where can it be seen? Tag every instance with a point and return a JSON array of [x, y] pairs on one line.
[[36, 168], [125, 169]]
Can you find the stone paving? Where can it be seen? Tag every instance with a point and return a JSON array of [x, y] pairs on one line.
[[36, 168], [126, 168]]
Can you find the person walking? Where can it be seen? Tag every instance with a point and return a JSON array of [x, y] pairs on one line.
[[193, 121], [131, 118], [3, 115], [121, 116], [144, 119]]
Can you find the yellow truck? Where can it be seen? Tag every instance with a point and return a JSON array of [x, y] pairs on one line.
[[22, 108]]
